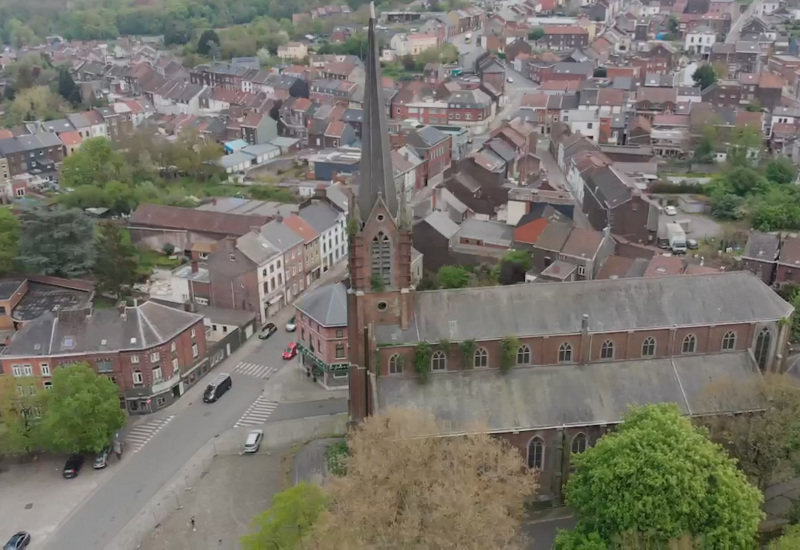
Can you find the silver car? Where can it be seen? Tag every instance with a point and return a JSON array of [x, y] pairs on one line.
[[253, 441]]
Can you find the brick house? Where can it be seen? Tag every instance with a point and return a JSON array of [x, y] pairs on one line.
[[30, 152], [322, 334], [311, 246], [434, 148], [145, 350], [565, 37], [469, 108], [788, 267]]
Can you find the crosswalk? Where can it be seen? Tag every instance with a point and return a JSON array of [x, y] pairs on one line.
[[141, 434], [257, 413], [255, 370]]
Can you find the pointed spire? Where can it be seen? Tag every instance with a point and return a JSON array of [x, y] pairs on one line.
[[377, 176]]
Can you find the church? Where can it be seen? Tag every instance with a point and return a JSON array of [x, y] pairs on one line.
[[551, 367]]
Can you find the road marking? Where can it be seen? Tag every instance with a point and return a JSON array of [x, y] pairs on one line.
[[141, 434], [255, 370], [257, 413]]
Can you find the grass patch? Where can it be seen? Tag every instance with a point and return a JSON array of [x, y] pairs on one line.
[[103, 302], [150, 259], [335, 455]]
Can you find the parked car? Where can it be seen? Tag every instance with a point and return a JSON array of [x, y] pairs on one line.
[[101, 459], [73, 466], [291, 326], [253, 441], [268, 330], [692, 244], [670, 210], [18, 541], [290, 351]]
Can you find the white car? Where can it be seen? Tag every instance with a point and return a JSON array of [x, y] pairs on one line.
[[253, 441], [291, 326], [670, 210], [510, 80]]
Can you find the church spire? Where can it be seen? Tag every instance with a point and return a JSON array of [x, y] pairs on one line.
[[377, 177]]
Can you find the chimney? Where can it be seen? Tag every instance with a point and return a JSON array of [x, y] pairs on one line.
[[195, 267], [190, 306]]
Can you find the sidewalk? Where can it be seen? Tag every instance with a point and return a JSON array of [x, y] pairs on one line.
[[222, 489]]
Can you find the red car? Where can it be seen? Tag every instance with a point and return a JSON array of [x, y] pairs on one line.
[[290, 351]]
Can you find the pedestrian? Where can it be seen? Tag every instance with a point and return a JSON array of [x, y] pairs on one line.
[[193, 528]]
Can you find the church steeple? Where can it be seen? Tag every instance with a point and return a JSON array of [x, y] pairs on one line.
[[377, 179]]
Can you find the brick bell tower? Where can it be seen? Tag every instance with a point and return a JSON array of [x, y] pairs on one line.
[[379, 233]]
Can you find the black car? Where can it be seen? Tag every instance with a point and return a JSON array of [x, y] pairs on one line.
[[268, 330], [73, 466], [18, 541]]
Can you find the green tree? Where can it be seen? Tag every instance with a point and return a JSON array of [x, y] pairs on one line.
[[288, 520], [95, 163], [9, 241], [20, 411], [777, 209], [781, 170], [37, 103], [658, 474], [115, 265], [744, 143], [789, 541], [82, 410], [707, 145], [452, 276], [704, 76], [67, 87], [754, 106], [513, 267], [535, 34], [56, 242], [206, 39], [727, 206]]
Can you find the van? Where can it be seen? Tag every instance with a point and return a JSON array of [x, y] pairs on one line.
[[218, 386]]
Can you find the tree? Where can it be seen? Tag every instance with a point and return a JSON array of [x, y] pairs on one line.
[[742, 181], [707, 145], [288, 520], [56, 242], [745, 143], [37, 103], [67, 87], [789, 541], [754, 106], [764, 443], [115, 264], [781, 170], [95, 163], [660, 475], [704, 76], [452, 276], [535, 34], [405, 489], [20, 411], [513, 267], [9, 241], [206, 39], [82, 410]]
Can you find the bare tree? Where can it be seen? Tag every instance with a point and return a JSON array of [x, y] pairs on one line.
[[406, 488], [766, 442]]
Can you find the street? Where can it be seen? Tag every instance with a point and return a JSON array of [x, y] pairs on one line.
[[150, 461]]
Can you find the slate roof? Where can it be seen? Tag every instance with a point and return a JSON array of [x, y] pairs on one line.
[[533, 398], [612, 306], [320, 216], [77, 331], [488, 231], [761, 246], [327, 305], [280, 236], [256, 248], [441, 223]]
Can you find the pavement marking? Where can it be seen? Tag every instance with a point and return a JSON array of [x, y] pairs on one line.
[[141, 434], [254, 369], [257, 413]]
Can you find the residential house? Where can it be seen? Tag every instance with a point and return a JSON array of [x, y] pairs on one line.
[[322, 327], [565, 37], [312, 260], [293, 50], [434, 148], [147, 350], [434, 236], [291, 246], [329, 222], [760, 255], [258, 128]]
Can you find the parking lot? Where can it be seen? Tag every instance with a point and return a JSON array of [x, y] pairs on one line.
[[35, 498]]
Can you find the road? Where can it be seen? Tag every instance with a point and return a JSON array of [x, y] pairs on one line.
[[736, 27], [191, 424]]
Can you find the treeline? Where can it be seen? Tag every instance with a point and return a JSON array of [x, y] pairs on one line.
[[25, 23]]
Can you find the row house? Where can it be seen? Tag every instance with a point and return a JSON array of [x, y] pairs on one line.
[[215, 99], [736, 58], [38, 152], [294, 115], [413, 44], [465, 20], [772, 258], [565, 37], [435, 149], [328, 219], [789, 116], [655, 101], [428, 111], [223, 75], [354, 72], [568, 71], [333, 91], [470, 108], [764, 87], [258, 128], [699, 41], [149, 350], [312, 255], [283, 86], [719, 23]]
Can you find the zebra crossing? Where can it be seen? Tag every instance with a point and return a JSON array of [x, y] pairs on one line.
[[257, 413], [141, 434], [255, 370]]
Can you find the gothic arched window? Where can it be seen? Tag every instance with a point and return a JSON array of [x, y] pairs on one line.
[[381, 255]]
